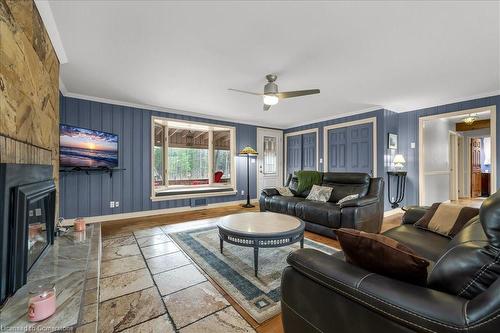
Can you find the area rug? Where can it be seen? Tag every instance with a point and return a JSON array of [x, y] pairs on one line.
[[234, 272]]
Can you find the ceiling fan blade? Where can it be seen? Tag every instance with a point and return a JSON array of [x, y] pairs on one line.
[[267, 107], [246, 92], [297, 93]]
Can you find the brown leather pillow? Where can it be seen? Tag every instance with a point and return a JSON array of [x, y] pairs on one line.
[[382, 255]]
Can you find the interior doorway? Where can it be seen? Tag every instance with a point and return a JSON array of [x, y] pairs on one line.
[[480, 166], [457, 151]]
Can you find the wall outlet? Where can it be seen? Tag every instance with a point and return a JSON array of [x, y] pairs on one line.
[[242, 192], [111, 204], [117, 203], [320, 160], [412, 145]]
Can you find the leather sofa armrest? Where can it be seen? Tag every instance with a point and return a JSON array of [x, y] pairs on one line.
[[360, 202], [413, 214], [270, 192], [410, 305]]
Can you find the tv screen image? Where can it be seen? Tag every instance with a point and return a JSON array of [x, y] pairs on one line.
[[85, 148]]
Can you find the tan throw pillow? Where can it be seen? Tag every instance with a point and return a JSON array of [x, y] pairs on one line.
[[320, 193], [446, 219], [284, 191], [382, 255]]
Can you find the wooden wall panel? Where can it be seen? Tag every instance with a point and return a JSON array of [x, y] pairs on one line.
[[29, 85]]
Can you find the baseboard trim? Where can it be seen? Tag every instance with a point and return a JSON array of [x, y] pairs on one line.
[[145, 213], [393, 212]]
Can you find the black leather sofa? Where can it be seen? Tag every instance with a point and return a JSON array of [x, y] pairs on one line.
[[323, 293], [365, 213]]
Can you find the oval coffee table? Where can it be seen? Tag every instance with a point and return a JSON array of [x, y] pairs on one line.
[[260, 229]]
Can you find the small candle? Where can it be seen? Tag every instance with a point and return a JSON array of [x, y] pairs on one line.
[[79, 224], [43, 305]]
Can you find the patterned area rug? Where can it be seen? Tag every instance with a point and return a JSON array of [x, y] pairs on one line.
[[234, 272]]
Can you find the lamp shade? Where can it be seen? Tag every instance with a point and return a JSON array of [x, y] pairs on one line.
[[248, 151], [399, 159]]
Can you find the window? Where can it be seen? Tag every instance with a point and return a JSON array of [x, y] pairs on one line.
[[270, 155], [158, 157], [199, 159]]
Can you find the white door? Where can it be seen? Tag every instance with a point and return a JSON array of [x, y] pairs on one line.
[[269, 159], [453, 146]]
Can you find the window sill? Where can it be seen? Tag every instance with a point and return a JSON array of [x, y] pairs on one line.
[[203, 192]]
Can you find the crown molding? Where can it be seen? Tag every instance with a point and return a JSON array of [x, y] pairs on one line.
[[446, 102], [162, 109], [341, 115], [62, 87], [45, 12]]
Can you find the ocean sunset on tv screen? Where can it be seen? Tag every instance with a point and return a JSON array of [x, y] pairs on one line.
[[85, 148]]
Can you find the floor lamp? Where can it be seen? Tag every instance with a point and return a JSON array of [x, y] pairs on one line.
[[248, 151]]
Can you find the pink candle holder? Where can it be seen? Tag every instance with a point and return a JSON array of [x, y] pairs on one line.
[[43, 304], [79, 224]]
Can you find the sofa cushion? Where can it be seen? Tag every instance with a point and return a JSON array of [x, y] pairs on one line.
[[383, 255], [446, 219], [426, 244], [324, 213], [281, 204], [346, 183]]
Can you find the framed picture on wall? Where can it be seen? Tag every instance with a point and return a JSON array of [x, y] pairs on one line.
[[392, 141]]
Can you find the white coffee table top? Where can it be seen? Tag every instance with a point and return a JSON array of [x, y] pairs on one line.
[[259, 223]]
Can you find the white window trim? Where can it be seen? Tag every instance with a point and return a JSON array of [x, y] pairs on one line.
[[307, 131], [211, 126], [372, 120]]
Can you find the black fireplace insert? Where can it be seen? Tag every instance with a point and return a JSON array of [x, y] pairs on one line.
[[27, 216]]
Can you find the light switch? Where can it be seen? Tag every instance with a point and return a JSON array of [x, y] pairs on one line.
[[412, 145]]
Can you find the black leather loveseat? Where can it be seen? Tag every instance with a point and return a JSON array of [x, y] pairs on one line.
[[323, 293], [365, 213]]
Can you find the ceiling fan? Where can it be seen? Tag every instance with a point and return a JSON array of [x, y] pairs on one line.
[[271, 96]]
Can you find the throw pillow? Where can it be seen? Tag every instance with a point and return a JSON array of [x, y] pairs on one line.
[[347, 198], [307, 179], [284, 191], [446, 219], [320, 193], [382, 255]]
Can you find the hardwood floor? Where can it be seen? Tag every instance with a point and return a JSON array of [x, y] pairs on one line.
[[199, 218]]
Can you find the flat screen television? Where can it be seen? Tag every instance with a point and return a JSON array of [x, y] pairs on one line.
[[86, 148]]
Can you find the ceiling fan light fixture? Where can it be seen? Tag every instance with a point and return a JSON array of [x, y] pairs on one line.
[[270, 99]]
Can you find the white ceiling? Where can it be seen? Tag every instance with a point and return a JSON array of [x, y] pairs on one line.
[[362, 55]]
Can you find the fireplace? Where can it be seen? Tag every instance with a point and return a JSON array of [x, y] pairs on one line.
[[27, 214]]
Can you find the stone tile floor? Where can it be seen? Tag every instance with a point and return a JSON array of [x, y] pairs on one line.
[[148, 284]]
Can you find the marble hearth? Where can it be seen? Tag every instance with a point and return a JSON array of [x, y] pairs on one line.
[[72, 264]]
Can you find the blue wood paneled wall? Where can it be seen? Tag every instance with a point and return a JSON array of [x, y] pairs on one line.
[[89, 195], [382, 128], [406, 126]]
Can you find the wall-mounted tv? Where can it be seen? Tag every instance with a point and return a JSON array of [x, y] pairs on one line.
[[86, 148]]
